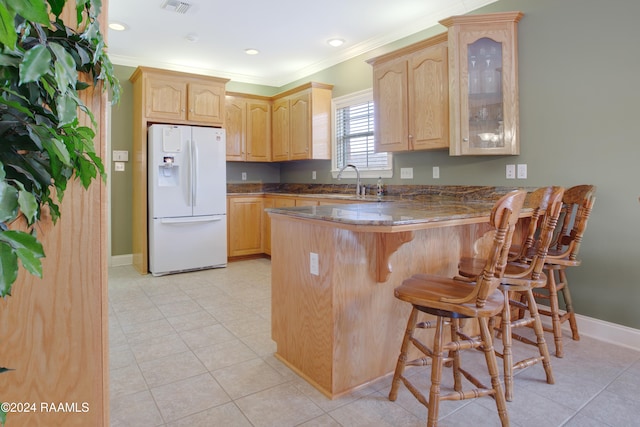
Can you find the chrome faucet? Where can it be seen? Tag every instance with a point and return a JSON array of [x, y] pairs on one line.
[[357, 176]]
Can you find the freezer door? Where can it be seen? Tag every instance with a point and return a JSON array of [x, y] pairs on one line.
[[169, 168], [210, 171], [182, 244]]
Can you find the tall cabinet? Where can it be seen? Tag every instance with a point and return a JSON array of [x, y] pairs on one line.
[[483, 81], [162, 96], [411, 94]]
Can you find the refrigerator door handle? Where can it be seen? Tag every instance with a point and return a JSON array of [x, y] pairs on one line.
[[194, 162], [190, 177], [190, 219]]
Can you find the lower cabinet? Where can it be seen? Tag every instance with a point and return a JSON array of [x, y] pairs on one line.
[[245, 218], [273, 202], [249, 225]]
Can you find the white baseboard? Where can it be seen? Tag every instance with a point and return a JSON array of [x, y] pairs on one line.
[[613, 333], [608, 332], [120, 260]]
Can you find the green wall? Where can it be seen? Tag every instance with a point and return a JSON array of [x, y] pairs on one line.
[[121, 188], [578, 69]]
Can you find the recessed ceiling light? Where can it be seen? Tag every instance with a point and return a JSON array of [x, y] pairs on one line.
[[118, 26], [335, 42], [251, 51], [192, 37]]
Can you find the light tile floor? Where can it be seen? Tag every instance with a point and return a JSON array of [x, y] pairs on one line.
[[194, 349]]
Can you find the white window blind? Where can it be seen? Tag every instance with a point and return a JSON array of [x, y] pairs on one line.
[[354, 139]]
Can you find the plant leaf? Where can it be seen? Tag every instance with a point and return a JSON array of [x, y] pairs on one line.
[[8, 268], [28, 205], [56, 6], [31, 261], [86, 172], [21, 240], [9, 60], [32, 10], [8, 35], [8, 202], [66, 107], [60, 151], [65, 68], [35, 65]]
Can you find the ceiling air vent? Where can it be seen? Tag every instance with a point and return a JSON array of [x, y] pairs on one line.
[[176, 6]]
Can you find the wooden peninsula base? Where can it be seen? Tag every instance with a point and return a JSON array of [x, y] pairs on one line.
[[342, 327]]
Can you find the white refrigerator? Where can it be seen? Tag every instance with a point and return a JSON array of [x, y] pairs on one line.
[[187, 188]]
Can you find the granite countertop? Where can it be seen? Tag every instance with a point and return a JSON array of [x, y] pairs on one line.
[[392, 213], [402, 205]]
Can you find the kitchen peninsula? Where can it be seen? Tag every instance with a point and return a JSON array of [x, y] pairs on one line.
[[335, 319]]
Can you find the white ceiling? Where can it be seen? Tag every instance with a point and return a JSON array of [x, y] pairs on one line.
[[291, 35]]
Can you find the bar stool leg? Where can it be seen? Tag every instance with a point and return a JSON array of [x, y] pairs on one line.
[[436, 373], [507, 355], [402, 359], [454, 355], [555, 311], [542, 344], [566, 295], [492, 365]]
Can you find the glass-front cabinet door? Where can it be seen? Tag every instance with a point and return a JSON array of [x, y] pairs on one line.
[[484, 84]]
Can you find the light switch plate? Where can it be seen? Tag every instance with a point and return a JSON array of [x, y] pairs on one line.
[[314, 264], [119, 166], [406, 173], [120, 156], [436, 172], [522, 171]]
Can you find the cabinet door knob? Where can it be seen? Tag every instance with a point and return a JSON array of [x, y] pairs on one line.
[[465, 139]]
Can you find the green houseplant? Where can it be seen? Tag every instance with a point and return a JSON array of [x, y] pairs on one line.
[[44, 64]]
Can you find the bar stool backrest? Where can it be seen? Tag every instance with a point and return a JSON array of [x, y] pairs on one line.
[[577, 205]]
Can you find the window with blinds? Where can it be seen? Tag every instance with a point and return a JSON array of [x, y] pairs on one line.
[[354, 122]]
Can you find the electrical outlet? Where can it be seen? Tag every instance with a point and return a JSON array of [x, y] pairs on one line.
[[119, 166], [436, 172], [244, 176], [314, 264], [511, 171], [313, 174], [406, 173], [522, 171]]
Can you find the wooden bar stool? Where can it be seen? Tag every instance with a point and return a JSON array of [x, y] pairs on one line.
[[517, 284], [451, 300], [577, 205]]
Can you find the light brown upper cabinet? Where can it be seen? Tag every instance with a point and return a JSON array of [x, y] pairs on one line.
[[280, 130], [248, 126], [411, 97], [483, 81], [301, 123], [180, 98]]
